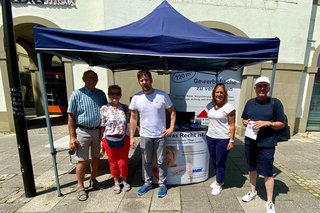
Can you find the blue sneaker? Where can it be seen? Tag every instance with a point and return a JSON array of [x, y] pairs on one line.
[[144, 189], [162, 191]]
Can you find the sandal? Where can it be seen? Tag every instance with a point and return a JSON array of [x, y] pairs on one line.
[[81, 194], [116, 188], [126, 186]]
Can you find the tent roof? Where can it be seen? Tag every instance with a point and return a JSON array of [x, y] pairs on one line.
[[163, 40]]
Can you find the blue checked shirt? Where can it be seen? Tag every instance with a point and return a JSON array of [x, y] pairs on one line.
[[85, 106]]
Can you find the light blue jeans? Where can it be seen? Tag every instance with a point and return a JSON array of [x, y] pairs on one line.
[[149, 148]]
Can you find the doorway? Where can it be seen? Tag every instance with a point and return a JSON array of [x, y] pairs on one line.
[[313, 123]]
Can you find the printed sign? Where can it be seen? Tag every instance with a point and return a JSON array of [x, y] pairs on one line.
[[187, 158], [192, 91]]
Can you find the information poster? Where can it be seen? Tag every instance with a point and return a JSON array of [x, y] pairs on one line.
[[187, 158], [192, 91]]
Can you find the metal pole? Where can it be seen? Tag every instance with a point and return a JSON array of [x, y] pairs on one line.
[[17, 103], [45, 103], [113, 77], [273, 75]]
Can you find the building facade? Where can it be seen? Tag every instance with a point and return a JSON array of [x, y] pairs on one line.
[[295, 22]]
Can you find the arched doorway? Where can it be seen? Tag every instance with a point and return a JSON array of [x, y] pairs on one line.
[[54, 73]]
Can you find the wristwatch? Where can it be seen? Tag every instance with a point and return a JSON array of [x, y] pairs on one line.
[[231, 141]]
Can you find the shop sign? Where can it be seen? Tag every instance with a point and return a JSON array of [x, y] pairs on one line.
[[47, 2]]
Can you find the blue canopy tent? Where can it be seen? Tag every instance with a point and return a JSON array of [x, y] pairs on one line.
[[163, 40]]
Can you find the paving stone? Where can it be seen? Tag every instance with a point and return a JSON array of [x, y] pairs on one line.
[[14, 182], [288, 206], [191, 193], [302, 198], [136, 205], [14, 196], [69, 205], [4, 177], [6, 191], [225, 201], [292, 193], [41, 203], [283, 179], [46, 180], [5, 155], [8, 208], [105, 205], [234, 179], [308, 174], [255, 206], [171, 202], [39, 170], [193, 206]]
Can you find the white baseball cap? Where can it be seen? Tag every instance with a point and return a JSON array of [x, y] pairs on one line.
[[262, 79]]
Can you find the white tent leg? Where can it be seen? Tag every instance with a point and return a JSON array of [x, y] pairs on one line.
[[45, 101], [273, 75]]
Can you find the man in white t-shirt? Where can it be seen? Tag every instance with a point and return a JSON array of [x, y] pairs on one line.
[[151, 105]]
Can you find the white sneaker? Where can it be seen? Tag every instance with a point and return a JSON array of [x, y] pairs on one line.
[[216, 190], [212, 185], [249, 196], [270, 207]]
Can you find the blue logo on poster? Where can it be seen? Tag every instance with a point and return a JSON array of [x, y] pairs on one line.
[[197, 170]]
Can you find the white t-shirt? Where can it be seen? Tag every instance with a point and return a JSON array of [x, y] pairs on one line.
[[218, 121], [152, 111]]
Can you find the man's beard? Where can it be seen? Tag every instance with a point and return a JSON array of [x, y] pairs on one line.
[[146, 88]]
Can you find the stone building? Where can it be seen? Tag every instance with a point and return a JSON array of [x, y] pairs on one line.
[[295, 22]]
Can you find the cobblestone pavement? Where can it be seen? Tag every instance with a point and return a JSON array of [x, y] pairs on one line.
[[297, 181], [306, 146]]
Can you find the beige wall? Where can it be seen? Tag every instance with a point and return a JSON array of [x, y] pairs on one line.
[[6, 121], [69, 76]]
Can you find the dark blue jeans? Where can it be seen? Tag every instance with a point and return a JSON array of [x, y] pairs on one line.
[[219, 153]]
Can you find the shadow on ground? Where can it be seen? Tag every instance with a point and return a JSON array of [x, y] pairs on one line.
[[134, 168], [40, 122]]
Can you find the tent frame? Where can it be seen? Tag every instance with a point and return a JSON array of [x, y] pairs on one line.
[[162, 55], [53, 150]]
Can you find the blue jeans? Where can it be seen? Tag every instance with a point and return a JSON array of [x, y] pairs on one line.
[[219, 153], [150, 147]]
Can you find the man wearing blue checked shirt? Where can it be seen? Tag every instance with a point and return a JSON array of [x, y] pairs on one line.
[[84, 129]]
